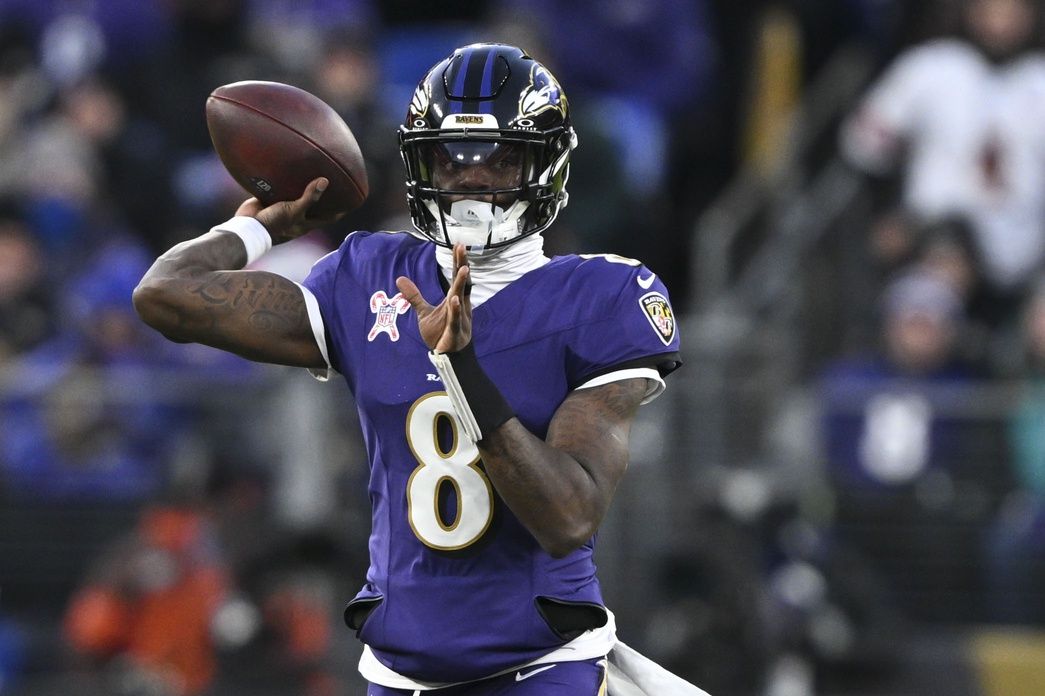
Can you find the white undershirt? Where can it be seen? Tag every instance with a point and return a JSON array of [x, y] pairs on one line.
[[491, 271]]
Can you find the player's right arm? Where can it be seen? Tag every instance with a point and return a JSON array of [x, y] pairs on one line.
[[194, 292]]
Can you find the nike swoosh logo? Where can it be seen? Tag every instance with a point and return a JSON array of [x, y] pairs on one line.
[[645, 283], [519, 676]]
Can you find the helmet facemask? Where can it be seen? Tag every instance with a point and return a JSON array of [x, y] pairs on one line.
[[484, 189]]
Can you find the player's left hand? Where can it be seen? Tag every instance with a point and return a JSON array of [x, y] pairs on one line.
[[447, 326]]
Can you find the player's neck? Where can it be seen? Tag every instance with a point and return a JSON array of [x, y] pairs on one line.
[[493, 270]]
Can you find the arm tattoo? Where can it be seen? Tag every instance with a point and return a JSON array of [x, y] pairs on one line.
[[269, 305], [237, 302], [601, 411], [192, 294]]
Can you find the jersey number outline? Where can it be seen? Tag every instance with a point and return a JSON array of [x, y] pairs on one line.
[[458, 467]]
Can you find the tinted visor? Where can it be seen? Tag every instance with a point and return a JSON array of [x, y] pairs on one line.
[[466, 153], [473, 165], [469, 152]]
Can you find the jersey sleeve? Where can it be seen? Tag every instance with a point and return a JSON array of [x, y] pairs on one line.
[[321, 283], [630, 333], [871, 138]]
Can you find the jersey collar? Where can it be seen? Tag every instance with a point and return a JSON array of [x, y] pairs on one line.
[[492, 270]]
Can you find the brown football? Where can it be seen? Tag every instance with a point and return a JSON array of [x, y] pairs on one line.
[[275, 138]]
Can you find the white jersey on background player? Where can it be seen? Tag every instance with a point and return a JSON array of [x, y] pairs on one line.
[[973, 135]]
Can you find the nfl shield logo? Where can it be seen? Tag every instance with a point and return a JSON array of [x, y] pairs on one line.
[[657, 310], [387, 310]]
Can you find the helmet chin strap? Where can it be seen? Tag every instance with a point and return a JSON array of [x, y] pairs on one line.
[[493, 269]]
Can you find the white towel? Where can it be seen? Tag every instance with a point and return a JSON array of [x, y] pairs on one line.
[[633, 674]]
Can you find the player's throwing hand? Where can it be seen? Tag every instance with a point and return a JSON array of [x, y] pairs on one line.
[[288, 220], [446, 327]]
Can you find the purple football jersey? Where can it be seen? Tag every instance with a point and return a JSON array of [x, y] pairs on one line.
[[454, 576]]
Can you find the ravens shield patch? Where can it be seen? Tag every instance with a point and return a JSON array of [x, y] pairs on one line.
[[657, 310]]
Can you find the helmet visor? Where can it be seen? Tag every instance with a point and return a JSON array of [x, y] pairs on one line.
[[474, 165], [466, 152]]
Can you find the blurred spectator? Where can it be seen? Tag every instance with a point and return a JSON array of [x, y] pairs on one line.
[[63, 174], [292, 31], [25, 316], [88, 158], [279, 630], [964, 116], [831, 623], [709, 625], [210, 48], [76, 38], [905, 458], [13, 651], [202, 190], [884, 432], [144, 615], [132, 187], [646, 63], [348, 76], [776, 591], [1015, 546], [898, 243], [947, 252], [22, 91], [63, 434], [641, 76], [296, 592]]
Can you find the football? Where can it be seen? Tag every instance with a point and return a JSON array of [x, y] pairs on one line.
[[275, 138]]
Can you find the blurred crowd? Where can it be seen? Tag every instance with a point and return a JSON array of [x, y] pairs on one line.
[[927, 415], [950, 139], [105, 162]]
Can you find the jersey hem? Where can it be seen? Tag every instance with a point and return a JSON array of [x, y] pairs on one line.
[[590, 644]]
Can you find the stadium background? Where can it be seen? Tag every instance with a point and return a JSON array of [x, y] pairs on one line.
[[225, 501]]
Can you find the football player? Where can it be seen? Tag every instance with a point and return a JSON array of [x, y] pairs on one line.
[[496, 387]]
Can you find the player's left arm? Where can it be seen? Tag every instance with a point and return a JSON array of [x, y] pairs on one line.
[[560, 488]]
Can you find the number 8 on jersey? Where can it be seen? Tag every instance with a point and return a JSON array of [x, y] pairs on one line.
[[457, 466]]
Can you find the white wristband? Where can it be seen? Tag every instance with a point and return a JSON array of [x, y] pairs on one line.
[[255, 237]]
